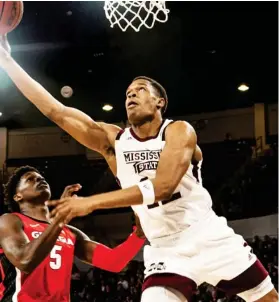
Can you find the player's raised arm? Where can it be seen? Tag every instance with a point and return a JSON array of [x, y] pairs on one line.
[[96, 136], [110, 259], [174, 161], [24, 254]]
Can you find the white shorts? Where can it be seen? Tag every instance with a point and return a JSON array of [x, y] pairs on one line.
[[208, 251]]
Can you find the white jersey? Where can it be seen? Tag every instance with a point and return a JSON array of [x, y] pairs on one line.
[[137, 159]]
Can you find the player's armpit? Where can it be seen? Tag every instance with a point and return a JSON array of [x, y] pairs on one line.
[[175, 158], [95, 136], [84, 247]]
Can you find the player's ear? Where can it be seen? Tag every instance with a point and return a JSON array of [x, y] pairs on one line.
[[18, 197], [160, 103]]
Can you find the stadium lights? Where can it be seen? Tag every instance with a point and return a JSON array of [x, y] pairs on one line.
[[107, 107], [243, 87]]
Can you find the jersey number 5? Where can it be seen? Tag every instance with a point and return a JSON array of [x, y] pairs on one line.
[[55, 257]]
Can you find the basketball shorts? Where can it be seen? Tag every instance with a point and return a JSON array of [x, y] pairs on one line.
[[208, 251]]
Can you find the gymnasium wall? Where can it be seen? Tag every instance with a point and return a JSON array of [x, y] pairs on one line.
[[211, 127]]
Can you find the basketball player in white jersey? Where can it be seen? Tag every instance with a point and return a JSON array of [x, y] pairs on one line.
[[157, 163]]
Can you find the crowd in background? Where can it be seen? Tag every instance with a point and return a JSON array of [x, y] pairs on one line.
[[254, 184], [100, 286]]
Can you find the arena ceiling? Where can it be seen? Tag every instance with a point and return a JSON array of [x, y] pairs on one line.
[[200, 55]]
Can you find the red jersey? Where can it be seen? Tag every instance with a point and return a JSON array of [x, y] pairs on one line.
[[50, 280]]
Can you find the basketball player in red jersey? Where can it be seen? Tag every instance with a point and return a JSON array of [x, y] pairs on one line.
[[36, 256], [157, 163]]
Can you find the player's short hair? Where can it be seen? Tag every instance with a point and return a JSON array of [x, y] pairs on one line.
[[11, 186], [159, 88]]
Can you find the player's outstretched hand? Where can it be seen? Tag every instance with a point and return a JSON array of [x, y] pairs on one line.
[[5, 49], [69, 190], [75, 206]]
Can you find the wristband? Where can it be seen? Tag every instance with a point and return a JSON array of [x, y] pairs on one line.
[[147, 191]]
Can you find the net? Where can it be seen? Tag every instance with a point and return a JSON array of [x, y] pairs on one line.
[[135, 14]]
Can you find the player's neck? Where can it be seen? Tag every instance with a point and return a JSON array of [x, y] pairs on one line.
[[35, 211], [149, 128]]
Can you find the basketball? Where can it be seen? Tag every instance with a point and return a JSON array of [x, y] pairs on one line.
[[10, 15]]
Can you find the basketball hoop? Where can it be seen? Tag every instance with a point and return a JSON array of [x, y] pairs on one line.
[[135, 14]]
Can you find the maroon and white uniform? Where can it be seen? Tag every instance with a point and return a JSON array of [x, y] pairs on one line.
[[186, 237]]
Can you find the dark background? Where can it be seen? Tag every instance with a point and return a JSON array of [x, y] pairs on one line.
[[201, 55]]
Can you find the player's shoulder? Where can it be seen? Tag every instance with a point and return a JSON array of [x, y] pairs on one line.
[[10, 220], [110, 129], [180, 127], [112, 132]]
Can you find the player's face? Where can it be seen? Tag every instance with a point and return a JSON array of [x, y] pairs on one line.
[[142, 101], [32, 186]]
